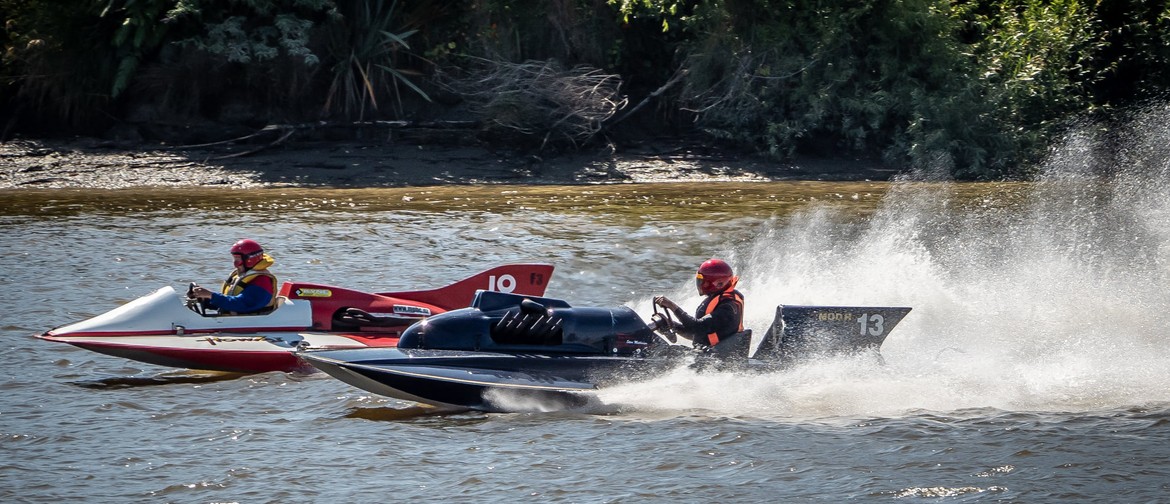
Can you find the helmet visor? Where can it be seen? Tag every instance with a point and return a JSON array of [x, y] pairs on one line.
[[247, 260]]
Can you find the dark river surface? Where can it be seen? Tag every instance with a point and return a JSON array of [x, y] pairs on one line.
[[1034, 367]]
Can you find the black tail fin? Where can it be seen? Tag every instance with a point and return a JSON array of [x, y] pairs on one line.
[[800, 332]]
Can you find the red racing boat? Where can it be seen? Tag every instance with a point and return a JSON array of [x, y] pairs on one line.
[[169, 329]]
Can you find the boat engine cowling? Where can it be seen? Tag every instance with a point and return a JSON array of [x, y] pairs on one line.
[[501, 321]]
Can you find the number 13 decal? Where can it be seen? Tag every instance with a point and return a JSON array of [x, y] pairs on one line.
[[874, 324]]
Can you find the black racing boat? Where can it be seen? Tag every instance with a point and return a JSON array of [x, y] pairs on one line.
[[506, 350]]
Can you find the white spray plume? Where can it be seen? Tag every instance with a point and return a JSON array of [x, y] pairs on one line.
[[1049, 295]]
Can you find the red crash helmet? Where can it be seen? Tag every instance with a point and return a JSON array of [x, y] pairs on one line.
[[714, 276], [247, 252]]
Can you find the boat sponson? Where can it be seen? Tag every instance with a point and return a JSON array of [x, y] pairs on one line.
[[802, 332]]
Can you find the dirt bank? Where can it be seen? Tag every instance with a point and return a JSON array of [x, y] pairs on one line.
[[88, 163]]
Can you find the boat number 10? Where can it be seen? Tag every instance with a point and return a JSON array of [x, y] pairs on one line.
[[505, 283], [874, 324]]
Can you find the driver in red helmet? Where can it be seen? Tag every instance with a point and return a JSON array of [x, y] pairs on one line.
[[250, 287], [720, 315]]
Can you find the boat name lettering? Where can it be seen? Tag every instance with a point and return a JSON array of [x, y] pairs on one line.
[[839, 316], [220, 339], [307, 292], [412, 310]]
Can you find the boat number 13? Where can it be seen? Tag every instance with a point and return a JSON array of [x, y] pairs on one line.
[[505, 283], [874, 324]]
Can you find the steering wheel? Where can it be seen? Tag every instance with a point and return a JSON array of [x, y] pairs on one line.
[[663, 323], [196, 305]]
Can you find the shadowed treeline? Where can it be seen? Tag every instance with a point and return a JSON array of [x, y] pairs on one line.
[[978, 88]]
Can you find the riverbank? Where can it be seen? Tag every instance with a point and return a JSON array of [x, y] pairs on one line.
[[93, 163]]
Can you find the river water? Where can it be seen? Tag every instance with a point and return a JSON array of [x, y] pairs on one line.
[[1034, 367]]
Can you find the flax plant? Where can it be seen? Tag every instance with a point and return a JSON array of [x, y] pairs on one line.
[[366, 50]]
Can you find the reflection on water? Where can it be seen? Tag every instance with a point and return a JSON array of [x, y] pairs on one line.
[[183, 376], [414, 411], [626, 202]]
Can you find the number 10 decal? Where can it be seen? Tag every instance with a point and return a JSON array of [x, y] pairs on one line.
[[874, 324], [505, 283]]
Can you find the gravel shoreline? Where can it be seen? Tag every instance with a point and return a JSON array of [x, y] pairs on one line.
[[96, 164]]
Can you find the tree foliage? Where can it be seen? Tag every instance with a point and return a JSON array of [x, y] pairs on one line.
[[981, 86], [878, 78]]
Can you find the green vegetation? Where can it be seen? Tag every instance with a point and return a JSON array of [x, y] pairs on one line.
[[979, 87]]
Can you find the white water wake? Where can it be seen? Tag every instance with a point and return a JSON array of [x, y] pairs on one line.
[[1047, 296]]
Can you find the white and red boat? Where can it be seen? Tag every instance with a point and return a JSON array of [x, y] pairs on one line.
[[169, 329]]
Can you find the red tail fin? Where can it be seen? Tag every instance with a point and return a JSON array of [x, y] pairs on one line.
[[526, 279]]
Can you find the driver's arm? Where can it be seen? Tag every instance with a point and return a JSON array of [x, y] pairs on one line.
[[253, 298], [725, 314]]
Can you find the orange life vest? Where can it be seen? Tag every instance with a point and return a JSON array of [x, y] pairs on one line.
[[734, 295]]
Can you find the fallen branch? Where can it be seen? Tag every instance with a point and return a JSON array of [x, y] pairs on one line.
[[278, 141], [270, 127], [675, 79], [539, 99]]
